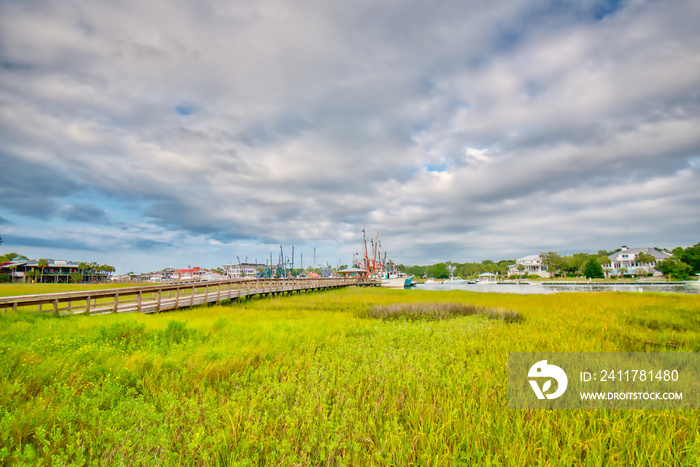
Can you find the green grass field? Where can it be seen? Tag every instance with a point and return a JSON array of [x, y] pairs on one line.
[[326, 379]]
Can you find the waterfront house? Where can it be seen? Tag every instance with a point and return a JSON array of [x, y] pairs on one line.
[[532, 264], [625, 261]]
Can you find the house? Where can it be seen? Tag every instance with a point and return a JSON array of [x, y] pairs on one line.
[[237, 271], [532, 264], [55, 271], [189, 275], [625, 261]]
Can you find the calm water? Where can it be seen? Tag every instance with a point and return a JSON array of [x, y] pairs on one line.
[[544, 288]]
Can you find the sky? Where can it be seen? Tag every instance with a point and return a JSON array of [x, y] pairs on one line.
[[152, 134]]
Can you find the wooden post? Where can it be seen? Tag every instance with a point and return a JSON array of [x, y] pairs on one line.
[[55, 306], [116, 302], [87, 305], [192, 296], [160, 292], [138, 301]]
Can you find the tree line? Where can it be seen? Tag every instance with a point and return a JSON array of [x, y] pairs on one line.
[[683, 263], [465, 270]]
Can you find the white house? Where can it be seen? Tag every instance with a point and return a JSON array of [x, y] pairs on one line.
[[625, 261], [532, 264], [237, 271]]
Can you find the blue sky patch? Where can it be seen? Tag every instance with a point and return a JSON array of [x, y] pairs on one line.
[[607, 8], [436, 167], [184, 110]]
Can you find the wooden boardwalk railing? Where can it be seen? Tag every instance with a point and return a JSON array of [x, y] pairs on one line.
[[156, 298]]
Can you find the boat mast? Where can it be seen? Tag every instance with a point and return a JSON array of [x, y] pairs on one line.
[[366, 258]]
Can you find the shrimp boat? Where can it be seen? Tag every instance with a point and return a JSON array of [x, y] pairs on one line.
[[380, 269]]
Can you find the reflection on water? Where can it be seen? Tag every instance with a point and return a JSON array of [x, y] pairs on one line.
[[547, 288]]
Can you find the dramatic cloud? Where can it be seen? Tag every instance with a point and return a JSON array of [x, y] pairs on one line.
[[202, 130]]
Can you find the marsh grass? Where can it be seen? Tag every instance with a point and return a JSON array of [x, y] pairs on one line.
[[306, 380], [438, 311]]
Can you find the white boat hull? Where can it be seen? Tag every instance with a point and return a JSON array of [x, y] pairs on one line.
[[394, 282]]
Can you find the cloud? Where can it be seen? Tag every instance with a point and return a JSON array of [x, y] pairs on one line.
[[451, 127], [85, 213], [61, 244], [149, 244]]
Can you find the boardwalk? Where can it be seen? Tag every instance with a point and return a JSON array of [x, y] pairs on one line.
[[163, 297]]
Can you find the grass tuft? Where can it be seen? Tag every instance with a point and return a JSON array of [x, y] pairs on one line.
[[419, 311]]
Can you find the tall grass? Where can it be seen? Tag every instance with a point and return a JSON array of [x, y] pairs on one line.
[[310, 380], [438, 311]]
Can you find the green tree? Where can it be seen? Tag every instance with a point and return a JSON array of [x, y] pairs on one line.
[[103, 271], [674, 268], [576, 262], [552, 261], [9, 257], [691, 257], [645, 258], [593, 269], [32, 275], [42, 264], [439, 271], [418, 271]]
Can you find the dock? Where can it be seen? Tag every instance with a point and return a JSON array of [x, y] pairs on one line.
[[164, 297]]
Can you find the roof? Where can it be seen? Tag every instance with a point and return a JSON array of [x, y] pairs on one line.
[[351, 270], [656, 253], [194, 269], [52, 263]]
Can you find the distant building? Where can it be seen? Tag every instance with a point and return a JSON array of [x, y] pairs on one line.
[[532, 264], [189, 274], [57, 271], [625, 261], [241, 270]]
